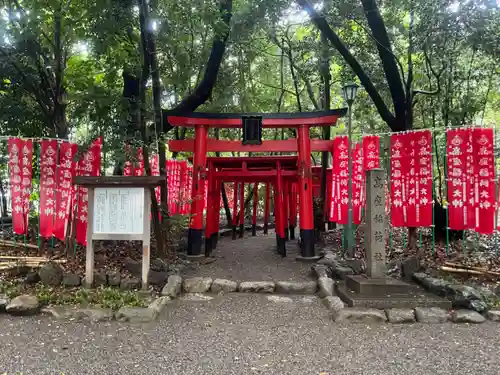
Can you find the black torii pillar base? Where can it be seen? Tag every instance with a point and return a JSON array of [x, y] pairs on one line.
[[194, 243], [208, 246], [307, 252], [281, 245], [291, 230]]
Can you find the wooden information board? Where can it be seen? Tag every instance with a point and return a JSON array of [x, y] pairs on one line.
[[119, 209]]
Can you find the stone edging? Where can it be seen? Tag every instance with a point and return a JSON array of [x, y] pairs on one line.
[[26, 305], [335, 304], [431, 315], [124, 314], [176, 285]]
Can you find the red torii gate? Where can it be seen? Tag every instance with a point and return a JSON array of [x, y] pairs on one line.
[[281, 171], [252, 124]]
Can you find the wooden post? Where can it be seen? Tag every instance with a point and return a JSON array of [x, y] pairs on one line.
[[89, 256], [146, 236]]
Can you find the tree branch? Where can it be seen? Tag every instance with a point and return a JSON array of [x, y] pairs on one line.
[[339, 45], [204, 89], [293, 65], [377, 26]]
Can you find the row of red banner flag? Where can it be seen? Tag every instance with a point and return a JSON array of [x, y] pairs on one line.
[[60, 202], [471, 182]]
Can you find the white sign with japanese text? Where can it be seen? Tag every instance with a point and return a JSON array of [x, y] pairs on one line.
[[118, 210]]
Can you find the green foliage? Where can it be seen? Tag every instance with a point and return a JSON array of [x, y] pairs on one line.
[[105, 297]]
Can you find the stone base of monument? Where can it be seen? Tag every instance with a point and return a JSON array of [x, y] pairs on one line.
[[386, 293]]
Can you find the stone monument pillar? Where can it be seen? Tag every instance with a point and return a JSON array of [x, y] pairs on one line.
[[375, 223]]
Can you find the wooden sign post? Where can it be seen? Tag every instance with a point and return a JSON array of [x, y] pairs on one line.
[[119, 209]]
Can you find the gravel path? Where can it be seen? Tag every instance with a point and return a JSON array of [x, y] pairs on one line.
[[246, 334], [253, 258]]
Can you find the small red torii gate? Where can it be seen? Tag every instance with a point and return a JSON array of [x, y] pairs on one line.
[[280, 171], [303, 145]]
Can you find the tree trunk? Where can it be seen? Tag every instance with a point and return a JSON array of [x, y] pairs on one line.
[[225, 201], [146, 64], [3, 200], [203, 91], [325, 156], [155, 75]]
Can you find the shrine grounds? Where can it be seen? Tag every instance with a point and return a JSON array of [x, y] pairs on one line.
[[245, 334], [240, 333]]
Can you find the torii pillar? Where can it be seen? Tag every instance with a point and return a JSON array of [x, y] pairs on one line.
[[198, 192]]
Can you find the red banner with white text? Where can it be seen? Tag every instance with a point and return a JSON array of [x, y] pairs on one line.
[[20, 163], [424, 200], [339, 191], [484, 174], [89, 165], [399, 164], [457, 141], [64, 194], [48, 161], [358, 184]]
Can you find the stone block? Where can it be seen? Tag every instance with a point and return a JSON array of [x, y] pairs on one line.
[[133, 266], [223, 285], [431, 315], [4, 301], [173, 287], [292, 287], [256, 287], [23, 305], [325, 287], [341, 272], [377, 285], [196, 297], [51, 274], [410, 300], [357, 265], [158, 278], [333, 303], [96, 314], [400, 315], [71, 280], [320, 270], [159, 303], [130, 283], [100, 278], [279, 299], [136, 314], [467, 316], [355, 315], [409, 267], [197, 285], [114, 278], [32, 278], [493, 315]]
